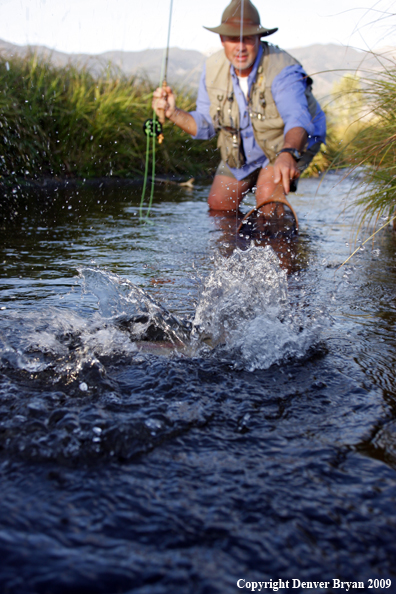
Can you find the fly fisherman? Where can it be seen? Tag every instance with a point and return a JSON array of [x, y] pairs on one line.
[[258, 99]]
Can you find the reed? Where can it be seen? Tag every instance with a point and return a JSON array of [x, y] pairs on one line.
[[371, 151], [65, 121]]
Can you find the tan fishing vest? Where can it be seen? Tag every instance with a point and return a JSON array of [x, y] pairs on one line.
[[267, 124]]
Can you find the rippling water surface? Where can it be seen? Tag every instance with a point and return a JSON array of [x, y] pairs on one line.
[[182, 408]]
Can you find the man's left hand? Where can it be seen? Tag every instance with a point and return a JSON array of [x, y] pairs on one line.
[[285, 169]]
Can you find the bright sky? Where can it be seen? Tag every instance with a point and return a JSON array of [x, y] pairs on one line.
[[95, 26]]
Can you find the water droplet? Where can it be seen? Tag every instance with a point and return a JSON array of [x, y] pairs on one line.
[[83, 387], [153, 424]]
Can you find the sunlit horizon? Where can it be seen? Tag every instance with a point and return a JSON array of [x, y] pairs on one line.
[[98, 26]]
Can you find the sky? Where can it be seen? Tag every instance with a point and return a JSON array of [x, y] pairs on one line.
[[96, 26]]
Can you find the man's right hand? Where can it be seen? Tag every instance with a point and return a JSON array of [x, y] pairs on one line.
[[164, 99], [285, 170]]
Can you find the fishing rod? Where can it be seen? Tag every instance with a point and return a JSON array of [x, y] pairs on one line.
[[161, 115], [152, 128], [154, 125]]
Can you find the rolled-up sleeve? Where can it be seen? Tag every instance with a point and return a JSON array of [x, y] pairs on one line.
[[288, 91], [201, 115]]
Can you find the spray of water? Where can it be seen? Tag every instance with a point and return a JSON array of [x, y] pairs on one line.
[[243, 313]]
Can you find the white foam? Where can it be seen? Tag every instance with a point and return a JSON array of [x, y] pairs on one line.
[[244, 309]]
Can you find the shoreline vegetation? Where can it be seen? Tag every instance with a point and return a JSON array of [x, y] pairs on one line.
[[369, 148], [64, 124]]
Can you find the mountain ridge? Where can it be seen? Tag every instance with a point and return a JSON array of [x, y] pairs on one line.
[[325, 63]]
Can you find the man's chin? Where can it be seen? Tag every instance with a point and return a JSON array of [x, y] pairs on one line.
[[241, 66]]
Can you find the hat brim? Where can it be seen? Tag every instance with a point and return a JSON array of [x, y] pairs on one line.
[[235, 30]]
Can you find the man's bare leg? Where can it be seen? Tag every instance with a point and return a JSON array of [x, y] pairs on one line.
[[227, 193]]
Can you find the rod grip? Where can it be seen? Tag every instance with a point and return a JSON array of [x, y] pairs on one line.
[[161, 112]]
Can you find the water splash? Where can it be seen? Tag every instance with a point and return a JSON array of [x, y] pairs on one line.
[[243, 314], [64, 341], [57, 340], [129, 307], [244, 311]]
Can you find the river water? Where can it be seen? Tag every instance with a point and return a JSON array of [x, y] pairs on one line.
[[183, 408]]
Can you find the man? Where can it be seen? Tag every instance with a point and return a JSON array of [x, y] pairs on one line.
[[258, 98]]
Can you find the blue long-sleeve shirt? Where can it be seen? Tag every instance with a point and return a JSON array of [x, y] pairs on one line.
[[288, 91]]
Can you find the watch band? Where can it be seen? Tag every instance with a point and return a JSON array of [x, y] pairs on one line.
[[292, 151]]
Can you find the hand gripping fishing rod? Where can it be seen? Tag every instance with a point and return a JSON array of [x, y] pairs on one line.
[[153, 130], [153, 126]]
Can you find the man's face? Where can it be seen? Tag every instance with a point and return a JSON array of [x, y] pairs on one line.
[[241, 52]]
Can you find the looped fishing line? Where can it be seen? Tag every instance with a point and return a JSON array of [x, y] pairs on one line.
[[153, 133]]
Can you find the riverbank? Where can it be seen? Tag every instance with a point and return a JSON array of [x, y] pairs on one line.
[[64, 122], [54, 183], [369, 145]]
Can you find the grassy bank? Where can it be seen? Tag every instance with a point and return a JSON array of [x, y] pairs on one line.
[[372, 150], [65, 122], [363, 133]]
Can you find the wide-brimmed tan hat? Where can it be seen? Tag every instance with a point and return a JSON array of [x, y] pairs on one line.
[[231, 20]]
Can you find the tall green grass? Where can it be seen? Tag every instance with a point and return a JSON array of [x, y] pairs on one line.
[[375, 149], [64, 121], [368, 146]]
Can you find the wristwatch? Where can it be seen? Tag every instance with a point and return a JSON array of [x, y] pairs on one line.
[[293, 151]]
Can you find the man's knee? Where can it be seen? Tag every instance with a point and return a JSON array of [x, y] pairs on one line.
[[217, 202], [265, 182], [225, 193]]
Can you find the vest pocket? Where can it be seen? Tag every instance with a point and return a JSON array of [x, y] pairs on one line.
[[268, 125], [271, 111], [231, 149], [269, 135]]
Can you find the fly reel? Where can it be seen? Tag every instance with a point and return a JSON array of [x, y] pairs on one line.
[[153, 128]]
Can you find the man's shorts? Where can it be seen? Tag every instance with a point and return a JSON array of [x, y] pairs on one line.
[[223, 169], [302, 164]]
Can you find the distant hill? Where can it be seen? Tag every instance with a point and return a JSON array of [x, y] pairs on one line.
[[328, 63], [325, 63], [184, 66]]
